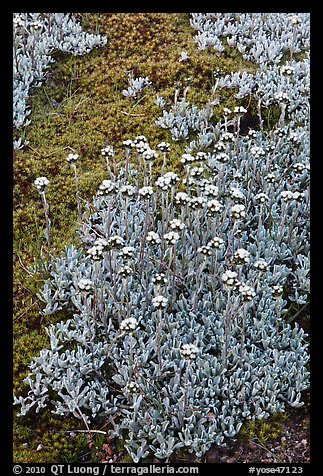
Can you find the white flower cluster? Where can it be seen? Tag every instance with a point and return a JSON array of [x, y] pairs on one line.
[[153, 238], [108, 151], [176, 225], [159, 302], [219, 147], [197, 203], [146, 192], [277, 291], [214, 207], [164, 146], [107, 187], [41, 183], [182, 198], [241, 256], [72, 158], [127, 252], [210, 190], [85, 284], [262, 197], [115, 242], [238, 211], [125, 271], [222, 158], [261, 265], [187, 159], [216, 243], [196, 171], [287, 196], [236, 194], [167, 181], [257, 152], [205, 250], [128, 190], [130, 324], [189, 351], [159, 278], [227, 137], [248, 293], [99, 247], [171, 237], [149, 155], [229, 278]]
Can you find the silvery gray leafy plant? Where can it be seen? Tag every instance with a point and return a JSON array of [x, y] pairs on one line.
[[35, 37], [177, 297]]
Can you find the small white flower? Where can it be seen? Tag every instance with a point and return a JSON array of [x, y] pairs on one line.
[[107, 151], [85, 284], [171, 237], [99, 247], [181, 198], [287, 70], [238, 211], [287, 195], [149, 155], [257, 152], [295, 20], [282, 97], [187, 158], [261, 265], [298, 196], [227, 137], [189, 351], [216, 243], [127, 252], [280, 132], [128, 144], [107, 187], [239, 110], [252, 133], [176, 225], [146, 192], [248, 293], [159, 302], [277, 291], [213, 207], [270, 178], [129, 324], [41, 183], [242, 256], [128, 190], [236, 193], [164, 146], [72, 158], [196, 171], [222, 158], [159, 278], [167, 181], [153, 238], [219, 147], [205, 250], [226, 111], [115, 242], [229, 278], [201, 156], [125, 271], [210, 190], [197, 203], [261, 197]]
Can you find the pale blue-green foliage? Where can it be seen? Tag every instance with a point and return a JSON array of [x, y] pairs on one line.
[[36, 37], [250, 362]]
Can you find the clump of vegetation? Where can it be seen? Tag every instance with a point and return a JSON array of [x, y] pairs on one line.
[[166, 318]]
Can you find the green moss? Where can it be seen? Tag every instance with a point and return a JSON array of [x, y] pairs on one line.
[[263, 430]]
